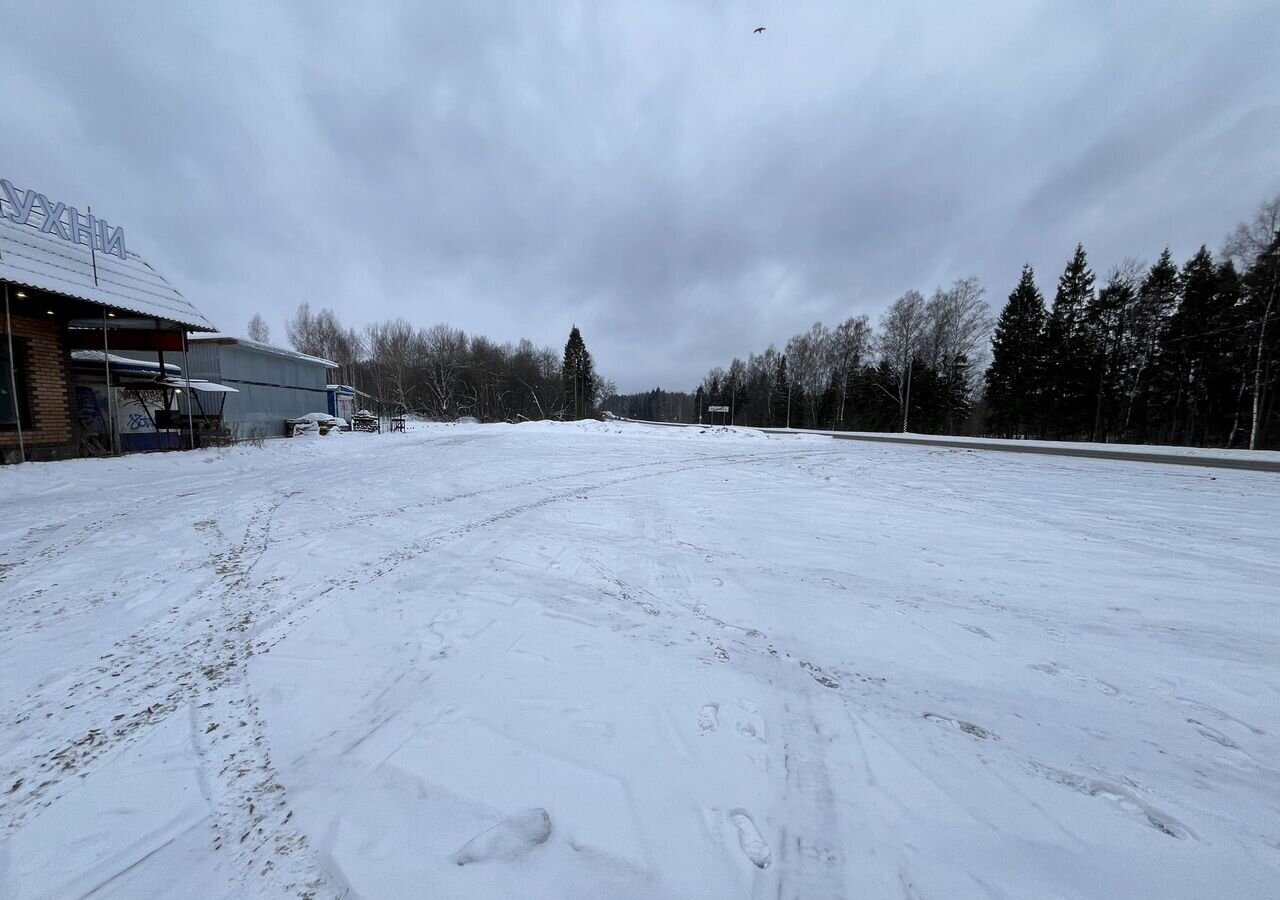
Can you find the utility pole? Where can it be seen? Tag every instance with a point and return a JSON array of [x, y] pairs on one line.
[[788, 403]]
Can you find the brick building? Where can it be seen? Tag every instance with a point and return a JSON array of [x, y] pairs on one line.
[[68, 282]]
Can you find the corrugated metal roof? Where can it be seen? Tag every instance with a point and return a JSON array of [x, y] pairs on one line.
[[42, 261], [265, 348]]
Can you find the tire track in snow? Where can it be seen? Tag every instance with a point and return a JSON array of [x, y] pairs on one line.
[[173, 677], [259, 794], [804, 858], [169, 677], [300, 609], [359, 518], [809, 855], [29, 553], [152, 668], [253, 822]]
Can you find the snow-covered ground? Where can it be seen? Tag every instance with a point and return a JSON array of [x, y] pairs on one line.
[[628, 662]]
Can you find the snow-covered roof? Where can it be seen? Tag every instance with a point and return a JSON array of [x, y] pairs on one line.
[[122, 362], [265, 348], [199, 384], [35, 259]]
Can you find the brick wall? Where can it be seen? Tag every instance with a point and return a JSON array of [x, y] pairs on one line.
[[45, 361]]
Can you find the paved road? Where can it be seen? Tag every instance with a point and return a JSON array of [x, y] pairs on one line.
[[1221, 460], [1085, 451]]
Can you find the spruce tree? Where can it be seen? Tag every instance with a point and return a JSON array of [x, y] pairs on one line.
[[1156, 303], [1107, 318], [782, 392], [1069, 354], [1016, 377], [579, 376], [1192, 353], [958, 405]]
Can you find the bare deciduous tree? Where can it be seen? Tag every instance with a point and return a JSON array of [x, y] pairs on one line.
[[1247, 246], [808, 361], [1250, 239], [445, 351], [258, 330], [958, 328], [902, 338], [847, 351]]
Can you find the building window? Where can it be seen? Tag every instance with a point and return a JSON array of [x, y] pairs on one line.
[[13, 405]]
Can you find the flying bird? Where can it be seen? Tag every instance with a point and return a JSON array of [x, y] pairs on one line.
[[759, 30]]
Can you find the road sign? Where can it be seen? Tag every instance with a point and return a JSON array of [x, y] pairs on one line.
[[717, 409]]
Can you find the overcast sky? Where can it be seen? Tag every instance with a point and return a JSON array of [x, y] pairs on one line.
[[682, 189]]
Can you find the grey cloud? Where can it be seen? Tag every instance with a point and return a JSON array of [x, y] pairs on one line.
[[683, 190]]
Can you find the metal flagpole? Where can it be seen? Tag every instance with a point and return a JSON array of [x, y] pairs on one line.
[[13, 377], [106, 368], [186, 372], [93, 256]]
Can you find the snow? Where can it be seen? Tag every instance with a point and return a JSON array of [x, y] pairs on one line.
[[510, 838], [123, 362], [604, 659]]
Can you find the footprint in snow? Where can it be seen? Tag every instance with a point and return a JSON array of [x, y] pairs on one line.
[[1052, 668], [750, 722], [1123, 796], [967, 727], [1214, 735], [709, 719], [819, 676], [752, 843], [511, 838]]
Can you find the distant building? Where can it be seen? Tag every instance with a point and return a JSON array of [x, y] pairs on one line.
[[342, 400], [273, 384]]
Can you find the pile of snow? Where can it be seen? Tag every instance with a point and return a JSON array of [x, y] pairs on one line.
[[321, 418], [734, 431], [510, 838]]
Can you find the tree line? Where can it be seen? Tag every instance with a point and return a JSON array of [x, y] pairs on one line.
[[1155, 354], [1164, 354], [917, 372], [442, 373]]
